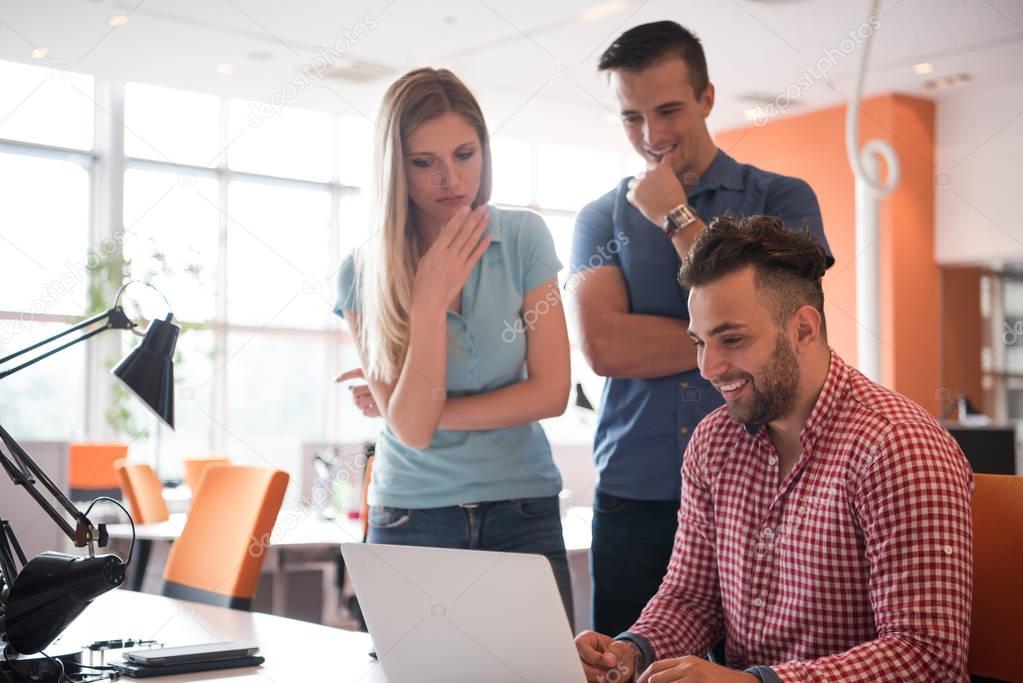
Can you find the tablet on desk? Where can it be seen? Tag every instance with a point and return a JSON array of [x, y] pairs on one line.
[[188, 654], [136, 670]]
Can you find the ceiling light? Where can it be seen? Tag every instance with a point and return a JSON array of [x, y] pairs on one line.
[[40, 53], [923, 68], [226, 69], [604, 9], [947, 81], [753, 113], [117, 20]]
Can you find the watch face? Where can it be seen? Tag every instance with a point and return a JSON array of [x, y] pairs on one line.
[[683, 215]]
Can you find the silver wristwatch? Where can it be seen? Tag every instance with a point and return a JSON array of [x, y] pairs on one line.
[[678, 219]]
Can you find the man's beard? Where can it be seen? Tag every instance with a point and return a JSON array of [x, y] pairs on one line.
[[772, 390]]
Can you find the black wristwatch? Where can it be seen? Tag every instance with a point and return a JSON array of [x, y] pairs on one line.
[[678, 219], [639, 663]]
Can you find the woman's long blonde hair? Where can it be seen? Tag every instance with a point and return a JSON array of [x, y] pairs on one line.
[[387, 263]]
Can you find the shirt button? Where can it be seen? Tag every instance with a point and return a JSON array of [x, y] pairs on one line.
[[684, 430], [948, 550], [684, 385], [772, 460], [768, 532], [758, 602]]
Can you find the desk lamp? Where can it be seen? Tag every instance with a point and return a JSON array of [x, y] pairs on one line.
[[38, 602]]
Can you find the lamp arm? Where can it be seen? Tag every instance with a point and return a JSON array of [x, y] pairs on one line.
[[115, 319], [16, 465]]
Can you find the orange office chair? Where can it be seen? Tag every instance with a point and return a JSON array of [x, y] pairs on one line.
[[91, 470], [144, 492], [219, 555], [194, 467], [996, 632]]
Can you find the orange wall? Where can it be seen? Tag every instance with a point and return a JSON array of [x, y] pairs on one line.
[[812, 147], [962, 335]]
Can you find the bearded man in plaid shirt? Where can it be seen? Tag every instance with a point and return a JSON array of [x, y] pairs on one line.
[[825, 523]]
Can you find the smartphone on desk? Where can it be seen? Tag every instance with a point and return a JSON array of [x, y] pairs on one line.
[[207, 652]]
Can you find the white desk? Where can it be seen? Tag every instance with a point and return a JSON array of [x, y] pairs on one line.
[[295, 531], [304, 528], [299, 531], [294, 650]]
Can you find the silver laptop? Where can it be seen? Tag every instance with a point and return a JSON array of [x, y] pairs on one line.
[[462, 615]]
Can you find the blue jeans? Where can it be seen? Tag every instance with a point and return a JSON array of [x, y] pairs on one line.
[[629, 555], [526, 525]]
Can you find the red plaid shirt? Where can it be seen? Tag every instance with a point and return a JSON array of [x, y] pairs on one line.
[[858, 567]]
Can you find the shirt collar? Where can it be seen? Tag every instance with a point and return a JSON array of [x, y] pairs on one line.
[[834, 387], [724, 172]]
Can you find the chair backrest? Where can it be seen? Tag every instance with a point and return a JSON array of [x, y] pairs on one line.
[[219, 555], [144, 492], [194, 467], [996, 632], [91, 469]]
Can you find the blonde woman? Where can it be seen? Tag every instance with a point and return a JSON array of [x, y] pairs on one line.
[[456, 314]]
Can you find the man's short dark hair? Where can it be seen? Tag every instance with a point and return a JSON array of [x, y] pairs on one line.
[[787, 264], [643, 45]]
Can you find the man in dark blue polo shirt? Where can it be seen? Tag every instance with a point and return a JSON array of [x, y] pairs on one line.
[[631, 313]]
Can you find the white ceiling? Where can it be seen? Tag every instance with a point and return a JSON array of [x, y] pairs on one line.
[[531, 61]]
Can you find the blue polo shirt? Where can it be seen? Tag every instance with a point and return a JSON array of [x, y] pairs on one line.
[[645, 424], [486, 351]]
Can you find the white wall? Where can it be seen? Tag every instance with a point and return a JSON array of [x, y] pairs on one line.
[[979, 184]]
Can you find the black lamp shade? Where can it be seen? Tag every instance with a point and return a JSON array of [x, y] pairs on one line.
[[148, 371], [51, 591]]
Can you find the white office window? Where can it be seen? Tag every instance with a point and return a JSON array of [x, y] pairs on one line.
[[171, 125], [561, 226], [571, 177], [277, 386], [356, 154], [44, 211], [44, 401], [171, 239], [283, 142], [47, 105], [513, 171], [355, 222], [279, 265]]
